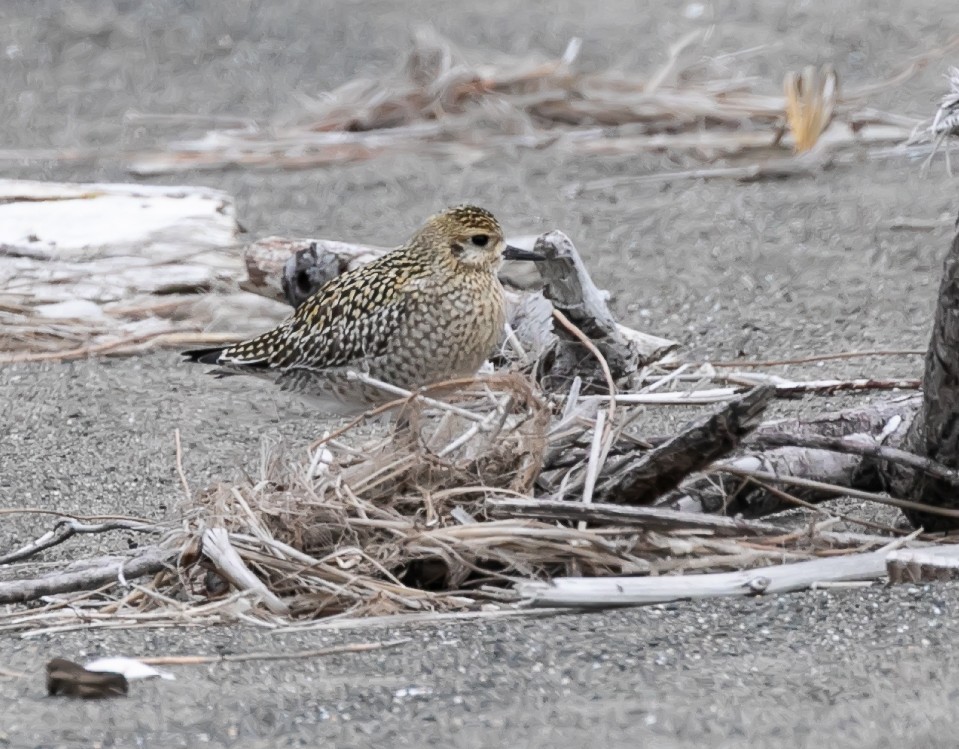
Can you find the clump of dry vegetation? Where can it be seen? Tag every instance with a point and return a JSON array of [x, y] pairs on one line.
[[445, 100]]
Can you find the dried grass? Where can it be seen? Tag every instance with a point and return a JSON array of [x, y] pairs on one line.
[[381, 523], [448, 101], [366, 516], [810, 102], [432, 515], [943, 124]]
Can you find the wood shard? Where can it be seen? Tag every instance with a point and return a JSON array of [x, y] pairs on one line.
[[641, 480], [73, 680]]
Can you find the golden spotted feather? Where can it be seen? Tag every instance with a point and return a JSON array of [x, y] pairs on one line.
[[351, 318], [428, 311]]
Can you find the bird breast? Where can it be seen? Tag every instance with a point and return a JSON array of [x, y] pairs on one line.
[[452, 327]]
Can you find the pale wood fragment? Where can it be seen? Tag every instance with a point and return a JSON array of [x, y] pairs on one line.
[[605, 592]]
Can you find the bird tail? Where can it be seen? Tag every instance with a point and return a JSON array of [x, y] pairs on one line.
[[263, 352], [204, 355], [230, 360]]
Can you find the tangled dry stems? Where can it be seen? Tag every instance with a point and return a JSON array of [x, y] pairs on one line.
[[376, 522], [431, 514]]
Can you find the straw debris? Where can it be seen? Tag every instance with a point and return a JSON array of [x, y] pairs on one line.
[[454, 102]]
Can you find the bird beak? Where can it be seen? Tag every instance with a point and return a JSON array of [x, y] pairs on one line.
[[515, 253]]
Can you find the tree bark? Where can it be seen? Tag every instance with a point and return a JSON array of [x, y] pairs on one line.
[[934, 433]]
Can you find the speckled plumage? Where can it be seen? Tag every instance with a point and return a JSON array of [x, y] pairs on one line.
[[431, 310]]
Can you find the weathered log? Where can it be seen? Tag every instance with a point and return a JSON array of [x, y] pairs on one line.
[[112, 269], [641, 480], [572, 291], [884, 422], [267, 262], [95, 572], [102, 243], [730, 494], [888, 418], [865, 447], [934, 433], [605, 592]]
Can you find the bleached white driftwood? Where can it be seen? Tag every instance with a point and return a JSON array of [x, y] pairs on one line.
[[105, 242], [604, 592], [90, 574], [82, 265], [218, 549]]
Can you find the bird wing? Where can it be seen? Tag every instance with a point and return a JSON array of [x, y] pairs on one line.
[[349, 319]]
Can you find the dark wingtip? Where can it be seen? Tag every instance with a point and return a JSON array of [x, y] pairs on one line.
[[203, 355]]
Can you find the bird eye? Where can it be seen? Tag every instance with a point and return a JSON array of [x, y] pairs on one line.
[[480, 240]]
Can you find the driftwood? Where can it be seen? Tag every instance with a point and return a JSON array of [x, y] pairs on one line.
[[103, 243], [572, 292], [94, 573], [624, 591], [867, 448], [98, 269], [66, 528], [276, 264], [804, 455], [641, 480]]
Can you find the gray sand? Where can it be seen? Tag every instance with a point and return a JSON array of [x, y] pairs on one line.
[[767, 270]]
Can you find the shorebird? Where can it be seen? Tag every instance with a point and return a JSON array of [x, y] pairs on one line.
[[431, 310]]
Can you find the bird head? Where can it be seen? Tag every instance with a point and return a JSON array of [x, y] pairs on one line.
[[470, 236]]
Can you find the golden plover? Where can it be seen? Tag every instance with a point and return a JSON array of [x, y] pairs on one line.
[[431, 310]]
